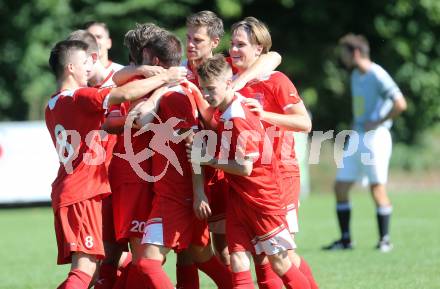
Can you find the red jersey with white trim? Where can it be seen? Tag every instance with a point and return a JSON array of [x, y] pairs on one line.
[[277, 93], [73, 118], [122, 170], [177, 111], [111, 68], [247, 137]]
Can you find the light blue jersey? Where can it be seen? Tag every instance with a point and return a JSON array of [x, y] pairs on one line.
[[373, 95]]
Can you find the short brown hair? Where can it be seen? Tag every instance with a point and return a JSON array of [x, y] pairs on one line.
[[87, 37], [213, 68], [60, 53], [167, 48], [137, 38], [352, 42], [208, 19], [257, 31]]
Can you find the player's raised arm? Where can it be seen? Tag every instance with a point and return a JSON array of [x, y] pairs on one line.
[[131, 71], [138, 88], [263, 65]]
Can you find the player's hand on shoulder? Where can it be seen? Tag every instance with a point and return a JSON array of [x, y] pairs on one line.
[[175, 74], [149, 70], [253, 105]]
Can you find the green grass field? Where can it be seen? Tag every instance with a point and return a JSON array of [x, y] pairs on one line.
[[28, 247]]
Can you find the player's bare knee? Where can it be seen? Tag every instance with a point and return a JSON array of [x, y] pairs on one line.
[[240, 262], [280, 262]]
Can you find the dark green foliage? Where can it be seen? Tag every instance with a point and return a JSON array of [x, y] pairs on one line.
[[403, 36]]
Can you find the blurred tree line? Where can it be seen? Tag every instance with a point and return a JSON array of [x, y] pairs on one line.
[[402, 33]]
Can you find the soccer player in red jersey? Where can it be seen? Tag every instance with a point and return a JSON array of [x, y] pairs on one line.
[[102, 35], [204, 32], [172, 223], [115, 259], [255, 220], [73, 118], [275, 99], [132, 194]]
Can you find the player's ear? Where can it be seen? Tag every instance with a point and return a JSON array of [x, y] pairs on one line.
[[215, 42], [259, 49], [69, 67], [155, 61], [109, 43]]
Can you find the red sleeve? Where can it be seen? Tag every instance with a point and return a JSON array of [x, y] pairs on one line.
[[92, 99], [178, 105], [284, 91], [245, 138]]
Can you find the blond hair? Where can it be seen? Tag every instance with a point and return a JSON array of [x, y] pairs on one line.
[[257, 32]]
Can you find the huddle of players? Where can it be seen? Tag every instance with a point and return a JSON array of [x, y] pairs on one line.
[[256, 192]]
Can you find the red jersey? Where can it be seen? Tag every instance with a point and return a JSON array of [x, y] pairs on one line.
[[73, 118], [277, 93], [260, 190], [177, 110], [122, 169]]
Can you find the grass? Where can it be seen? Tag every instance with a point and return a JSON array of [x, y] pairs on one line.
[[28, 254]]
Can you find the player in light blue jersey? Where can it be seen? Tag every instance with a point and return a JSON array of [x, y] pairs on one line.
[[376, 101]]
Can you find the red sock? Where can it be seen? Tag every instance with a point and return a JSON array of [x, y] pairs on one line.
[[107, 277], [121, 281], [187, 277], [76, 279], [293, 278], [154, 274], [134, 278], [217, 272], [242, 280], [267, 278], [305, 269]]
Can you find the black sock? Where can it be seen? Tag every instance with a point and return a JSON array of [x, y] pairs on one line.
[[343, 210], [383, 221]]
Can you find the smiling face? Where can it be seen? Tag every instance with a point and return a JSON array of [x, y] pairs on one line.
[[217, 90], [199, 45], [243, 53]]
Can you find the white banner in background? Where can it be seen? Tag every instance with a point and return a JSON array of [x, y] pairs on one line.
[[28, 162]]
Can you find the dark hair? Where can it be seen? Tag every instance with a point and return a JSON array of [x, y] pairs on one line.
[[89, 24], [167, 48], [352, 42], [137, 38], [87, 37], [213, 67], [61, 52], [213, 24]]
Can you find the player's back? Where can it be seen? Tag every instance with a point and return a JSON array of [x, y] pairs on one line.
[[73, 118], [177, 113]]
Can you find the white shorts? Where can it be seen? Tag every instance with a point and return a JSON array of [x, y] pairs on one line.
[[292, 219], [370, 159], [280, 242]]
